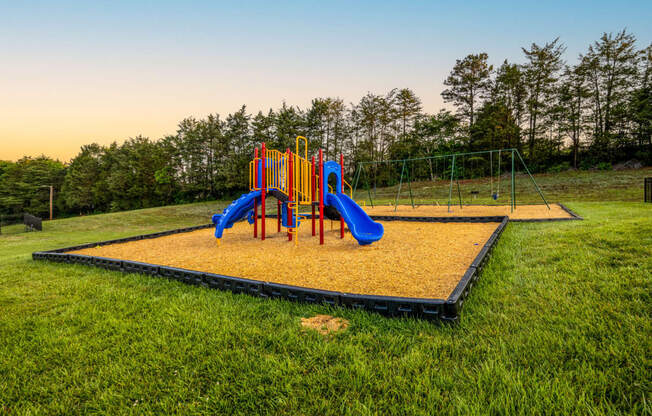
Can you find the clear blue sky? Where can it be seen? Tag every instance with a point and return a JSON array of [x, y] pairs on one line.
[[76, 72]]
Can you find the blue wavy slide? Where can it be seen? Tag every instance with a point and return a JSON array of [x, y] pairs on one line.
[[362, 227], [237, 211]]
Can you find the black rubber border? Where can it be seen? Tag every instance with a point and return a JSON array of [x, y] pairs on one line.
[[573, 214], [127, 239], [456, 300]]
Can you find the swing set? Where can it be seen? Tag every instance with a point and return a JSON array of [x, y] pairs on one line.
[[454, 167]]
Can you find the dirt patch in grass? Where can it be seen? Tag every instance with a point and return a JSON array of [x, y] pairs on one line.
[[521, 212], [422, 260], [325, 324]]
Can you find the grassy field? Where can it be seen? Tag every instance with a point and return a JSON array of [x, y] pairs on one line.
[[559, 323]]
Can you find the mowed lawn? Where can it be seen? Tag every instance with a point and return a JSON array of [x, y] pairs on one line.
[[559, 323]]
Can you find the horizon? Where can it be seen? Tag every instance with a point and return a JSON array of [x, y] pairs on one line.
[[84, 73]]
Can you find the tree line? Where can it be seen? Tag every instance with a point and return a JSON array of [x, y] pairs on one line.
[[595, 111]]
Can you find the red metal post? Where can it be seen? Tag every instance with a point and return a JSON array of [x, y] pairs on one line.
[[255, 186], [278, 216], [312, 200], [321, 196], [263, 187], [291, 194], [342, 191]]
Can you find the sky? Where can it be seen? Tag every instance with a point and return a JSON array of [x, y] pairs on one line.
[[73, 73]]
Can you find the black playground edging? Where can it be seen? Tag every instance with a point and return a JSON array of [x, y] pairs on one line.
[[573, 216], [444, 310]]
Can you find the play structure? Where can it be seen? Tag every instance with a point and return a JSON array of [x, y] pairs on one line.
[[491, 176], [296, 182]]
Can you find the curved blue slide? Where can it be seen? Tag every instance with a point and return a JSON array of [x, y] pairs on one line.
[[362, 227], [237, 211]]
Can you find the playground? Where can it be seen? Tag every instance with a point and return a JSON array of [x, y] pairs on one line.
[[298, 233]]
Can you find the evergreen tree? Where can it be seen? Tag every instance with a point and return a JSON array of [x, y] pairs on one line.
[[495, 128], [408, 108], [611, 64], [572, 96], [509, 88], [541, 74], [641, 104], [237, 133], [210, 130], [263, 128], [468, 84], [367, 118], [85, 188], [437, 134], [290, 123], [132, 178]]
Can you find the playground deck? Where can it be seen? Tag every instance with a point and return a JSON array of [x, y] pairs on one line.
[[522, 212], [421, 260]]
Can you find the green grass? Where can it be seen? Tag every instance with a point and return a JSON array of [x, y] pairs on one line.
[[559, 323], [12, 229]]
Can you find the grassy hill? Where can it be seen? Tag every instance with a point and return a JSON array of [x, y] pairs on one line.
[[559, 323]]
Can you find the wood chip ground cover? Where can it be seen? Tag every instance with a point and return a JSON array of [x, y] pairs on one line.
[[422, 260], [521, 212], [325, 324]]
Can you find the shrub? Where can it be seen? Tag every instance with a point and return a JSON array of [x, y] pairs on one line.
[[604, 166], [645, 156], [561, 167], [586, 164]]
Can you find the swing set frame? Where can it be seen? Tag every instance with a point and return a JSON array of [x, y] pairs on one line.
[[454, 175]]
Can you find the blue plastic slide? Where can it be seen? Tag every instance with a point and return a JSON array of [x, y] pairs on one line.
[[362, 227], [237, 211]]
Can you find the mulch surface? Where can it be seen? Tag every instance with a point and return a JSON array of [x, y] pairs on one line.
[[422, 260], [522, 212], [325, 324]]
